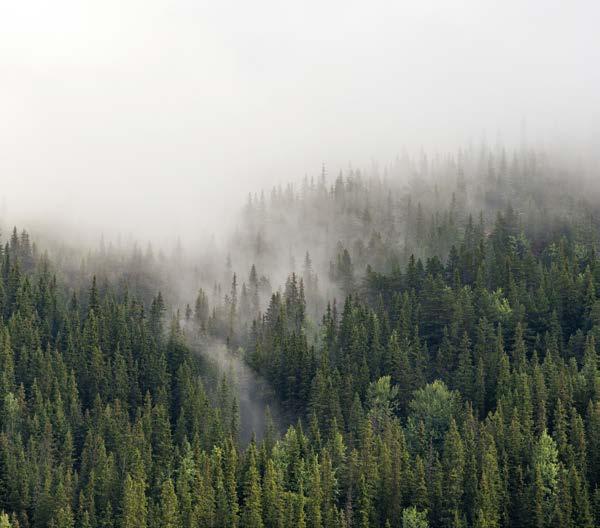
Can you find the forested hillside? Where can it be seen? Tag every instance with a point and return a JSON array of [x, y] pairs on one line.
[[428, 335]]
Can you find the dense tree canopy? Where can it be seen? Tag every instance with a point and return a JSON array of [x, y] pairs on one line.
[[436, 365]]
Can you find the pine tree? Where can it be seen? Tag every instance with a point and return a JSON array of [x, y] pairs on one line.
[[413, 518], [252, 505], [546, 468], [169, 507], [464, 376], [272, 505], [487, 513], [420, 496], [134, 503], [453, 462], [315, 496]]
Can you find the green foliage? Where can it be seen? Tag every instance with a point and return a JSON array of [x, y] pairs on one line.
[[456, 385], [4, 521], [381, 402], [433, 407], [412, 518]]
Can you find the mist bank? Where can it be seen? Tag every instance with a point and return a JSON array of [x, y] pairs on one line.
[[198, 206], [307, 225], [256, 405]]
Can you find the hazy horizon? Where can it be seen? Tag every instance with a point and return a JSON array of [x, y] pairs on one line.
[[152, 118]]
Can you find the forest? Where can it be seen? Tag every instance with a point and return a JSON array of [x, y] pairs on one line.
[[410, 346]]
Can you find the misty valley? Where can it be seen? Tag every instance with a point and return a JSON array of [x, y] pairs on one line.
[[413, 346]]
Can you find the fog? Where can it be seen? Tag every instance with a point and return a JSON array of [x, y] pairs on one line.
[[151, 145], [153, 118]]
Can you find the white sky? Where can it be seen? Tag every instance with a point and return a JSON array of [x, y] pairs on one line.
[[158, 116]]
